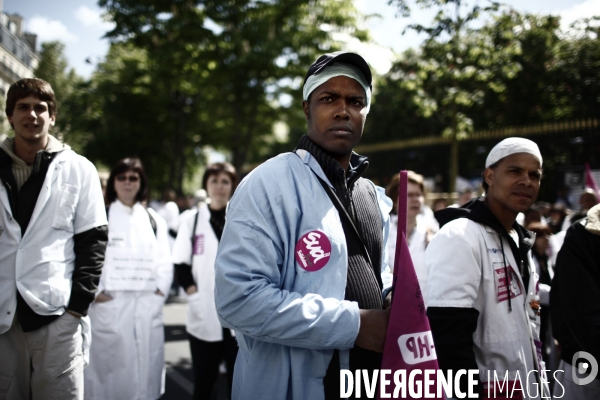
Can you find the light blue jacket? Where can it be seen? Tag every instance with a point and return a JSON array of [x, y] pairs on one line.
[[288, 321]]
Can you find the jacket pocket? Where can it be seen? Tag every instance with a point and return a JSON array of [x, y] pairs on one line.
[[65, 209], [4, 385], [158, 303], [104, 319], [60, 287], [196, 305]]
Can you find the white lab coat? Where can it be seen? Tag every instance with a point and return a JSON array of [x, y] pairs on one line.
[[170, 213], [40, 264], [463, 261], [127, 352], [202, 320]]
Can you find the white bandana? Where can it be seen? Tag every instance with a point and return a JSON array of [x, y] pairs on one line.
[[333, 70], [510, 146]]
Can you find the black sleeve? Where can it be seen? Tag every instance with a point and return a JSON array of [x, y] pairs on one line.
[[90, 247], [574, 304], [452, 329], [183, 272]]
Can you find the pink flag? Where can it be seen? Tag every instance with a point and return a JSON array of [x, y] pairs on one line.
[[409, 343], [590, 182]]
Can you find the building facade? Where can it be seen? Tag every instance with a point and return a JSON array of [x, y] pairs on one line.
[[18, 56]]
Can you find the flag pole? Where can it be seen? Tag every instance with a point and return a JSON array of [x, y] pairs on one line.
[[402, 221]]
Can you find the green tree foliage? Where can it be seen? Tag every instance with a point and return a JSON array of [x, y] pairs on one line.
[[454, 68], [67, 85], [160, 43], [127, 114], [576, 72], [527, 97], [514, 70], [456, 64], [53, 68], [219, 70]]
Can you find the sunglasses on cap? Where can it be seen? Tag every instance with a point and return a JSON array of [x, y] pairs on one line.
[[131, 178]]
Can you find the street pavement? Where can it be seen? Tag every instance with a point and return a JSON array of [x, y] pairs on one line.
[[179, 383]]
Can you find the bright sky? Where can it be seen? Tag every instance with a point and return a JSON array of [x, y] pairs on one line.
[[79, 24]]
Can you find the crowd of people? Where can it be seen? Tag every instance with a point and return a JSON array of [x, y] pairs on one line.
[[288, 275], [146, 249]]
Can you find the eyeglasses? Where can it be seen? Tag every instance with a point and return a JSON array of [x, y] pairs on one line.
[[131, 178]]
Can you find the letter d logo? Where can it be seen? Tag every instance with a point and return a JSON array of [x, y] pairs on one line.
[[583, 366]]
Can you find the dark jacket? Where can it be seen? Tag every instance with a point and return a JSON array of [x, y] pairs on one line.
[[575, 295]]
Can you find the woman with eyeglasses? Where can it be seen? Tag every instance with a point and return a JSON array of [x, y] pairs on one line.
[[127, 350], [194, 255]]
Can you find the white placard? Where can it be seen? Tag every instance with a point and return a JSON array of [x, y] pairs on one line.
[[127, 269]]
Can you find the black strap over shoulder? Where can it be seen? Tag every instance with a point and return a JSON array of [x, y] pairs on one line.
[[194, 228], [360, 218], [343, 212], [150, 217], [152, 221]]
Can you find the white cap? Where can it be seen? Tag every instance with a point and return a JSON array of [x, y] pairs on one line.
[[510, 146], [333, 70]]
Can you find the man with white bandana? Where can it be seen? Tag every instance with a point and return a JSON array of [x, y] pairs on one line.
[[301, 267], [482, 288]]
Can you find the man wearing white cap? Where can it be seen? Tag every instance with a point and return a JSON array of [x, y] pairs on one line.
[[301, 267], [483, 303]]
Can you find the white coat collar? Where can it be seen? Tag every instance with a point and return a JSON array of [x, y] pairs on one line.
[[125, 208], [312, 162]]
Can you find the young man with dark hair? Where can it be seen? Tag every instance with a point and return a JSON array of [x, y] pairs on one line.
[[482, 288], [302, 263], [52, 238]]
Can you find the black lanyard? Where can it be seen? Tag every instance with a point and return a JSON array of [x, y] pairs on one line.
[[194, 229], [343, 212]]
